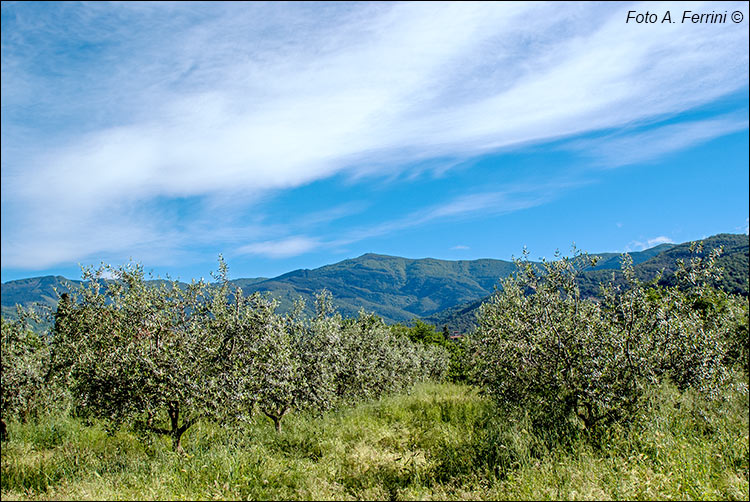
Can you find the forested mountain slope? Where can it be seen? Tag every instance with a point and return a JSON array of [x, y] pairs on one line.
[[399, 289], [735, 262]]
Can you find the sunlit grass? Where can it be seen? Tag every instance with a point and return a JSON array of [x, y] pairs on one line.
[[440, 441]]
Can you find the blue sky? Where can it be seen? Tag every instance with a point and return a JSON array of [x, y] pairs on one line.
[[293, 135]]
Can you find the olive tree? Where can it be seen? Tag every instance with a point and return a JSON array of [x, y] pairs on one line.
[[540, 345], [25, 357], [565, 359], [320, 362], [235, 320], [277, 366], [433, 362], [363, 351], [705, 329], [275, 363], [318, 342], [374, 360], [139, 353]]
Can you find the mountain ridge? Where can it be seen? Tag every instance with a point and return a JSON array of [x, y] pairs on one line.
[[735, 262], [400, 289]]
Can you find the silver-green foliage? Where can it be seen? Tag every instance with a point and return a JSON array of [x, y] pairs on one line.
[[373, 361], [25, 357], [136, 353], [145, 354], [563, 358]]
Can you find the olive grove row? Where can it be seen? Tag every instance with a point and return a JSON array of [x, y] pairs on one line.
[[160, 358]]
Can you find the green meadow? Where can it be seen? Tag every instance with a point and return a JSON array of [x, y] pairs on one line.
[[436, 442]]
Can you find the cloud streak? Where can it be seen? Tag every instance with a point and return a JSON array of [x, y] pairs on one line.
[[646, 146], [649, 243], [515, 198], [178, 101], [284, 248]]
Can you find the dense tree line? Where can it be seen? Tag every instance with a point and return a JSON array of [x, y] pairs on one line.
[[160, 358]]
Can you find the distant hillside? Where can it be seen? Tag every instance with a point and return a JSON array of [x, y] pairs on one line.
[[611, 261], [28, 292], [401, 289], [459, 319], [398, 289], [735, 260]]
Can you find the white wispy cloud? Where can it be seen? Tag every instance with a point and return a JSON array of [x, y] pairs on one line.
[[658, 240], [514, 198], [284, 248], [648, 243], [492, 203], [460, 247], [183, 100], [632, 148]]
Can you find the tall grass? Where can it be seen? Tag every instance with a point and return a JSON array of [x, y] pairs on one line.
[[440, 441]]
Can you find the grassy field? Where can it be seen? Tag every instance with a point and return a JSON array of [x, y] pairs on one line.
[[440, 441]]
